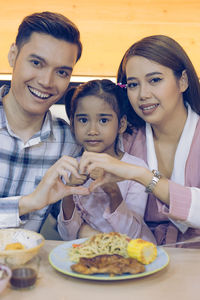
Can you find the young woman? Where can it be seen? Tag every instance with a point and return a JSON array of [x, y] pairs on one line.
[[97, 118], [164, 94]]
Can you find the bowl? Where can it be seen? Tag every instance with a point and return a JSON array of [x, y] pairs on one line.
[[5, 275], [31, 242]]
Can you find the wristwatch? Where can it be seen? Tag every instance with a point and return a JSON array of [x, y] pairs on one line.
[[156, 177]]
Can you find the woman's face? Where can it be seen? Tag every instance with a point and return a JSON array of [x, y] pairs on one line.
[[153, 90]]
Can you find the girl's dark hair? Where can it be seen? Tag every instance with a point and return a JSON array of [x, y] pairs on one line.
[[167, 52], [54, 24], [104, 89]]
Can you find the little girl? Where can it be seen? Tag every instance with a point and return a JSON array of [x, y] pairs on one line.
[[97, 119]]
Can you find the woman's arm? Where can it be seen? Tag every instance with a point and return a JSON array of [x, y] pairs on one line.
[[116, 170], [176, 201]]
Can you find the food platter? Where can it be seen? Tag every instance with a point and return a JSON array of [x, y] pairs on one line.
[[60, 261]]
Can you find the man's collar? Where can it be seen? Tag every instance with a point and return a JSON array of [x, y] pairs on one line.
[[47, 126]]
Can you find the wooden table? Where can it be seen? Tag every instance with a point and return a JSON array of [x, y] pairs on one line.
[[180, 280]]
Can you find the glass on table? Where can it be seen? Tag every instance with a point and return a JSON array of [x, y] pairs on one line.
[[25, 275]]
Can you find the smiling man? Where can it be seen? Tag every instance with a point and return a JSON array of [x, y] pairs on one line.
[[43, 56]]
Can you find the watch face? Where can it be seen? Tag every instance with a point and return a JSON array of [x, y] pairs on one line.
[[156, 173]]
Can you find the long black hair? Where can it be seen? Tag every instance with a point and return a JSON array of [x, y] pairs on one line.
[[167, 52]]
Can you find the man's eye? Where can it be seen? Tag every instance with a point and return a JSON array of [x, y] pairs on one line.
[[132, 85], [35, 63], [63, 74]]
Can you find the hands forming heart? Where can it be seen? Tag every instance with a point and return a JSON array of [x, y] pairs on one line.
[[89, 165], [57, 183], [96, 175]]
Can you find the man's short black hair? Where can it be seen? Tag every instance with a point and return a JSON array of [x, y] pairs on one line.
[[54, 24]]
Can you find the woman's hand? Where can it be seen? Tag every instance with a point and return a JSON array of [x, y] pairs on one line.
[[103, 168]]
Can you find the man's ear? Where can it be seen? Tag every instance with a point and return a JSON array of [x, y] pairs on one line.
[[123, 124], [12, 55], [183, 81]]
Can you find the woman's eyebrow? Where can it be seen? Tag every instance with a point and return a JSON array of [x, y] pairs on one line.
[[147, 75]]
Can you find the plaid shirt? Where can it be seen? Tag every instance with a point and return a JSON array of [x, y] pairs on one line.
[[22, 166]]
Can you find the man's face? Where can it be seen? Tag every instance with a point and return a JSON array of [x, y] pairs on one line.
[[41, 73]]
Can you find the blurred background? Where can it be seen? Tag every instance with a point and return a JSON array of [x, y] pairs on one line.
[[108, 28]]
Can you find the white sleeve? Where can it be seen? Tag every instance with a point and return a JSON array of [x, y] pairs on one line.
[[9, 212]]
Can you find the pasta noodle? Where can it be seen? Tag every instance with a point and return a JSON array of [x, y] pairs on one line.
[[102, 243]]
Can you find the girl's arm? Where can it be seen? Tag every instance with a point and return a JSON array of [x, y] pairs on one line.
[[114, 194], [128, 216], [126, 211], [86, 231], [68, 207], [69, 220], [111, 189]]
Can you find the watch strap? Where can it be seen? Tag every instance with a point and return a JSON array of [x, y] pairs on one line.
[[155, 179]]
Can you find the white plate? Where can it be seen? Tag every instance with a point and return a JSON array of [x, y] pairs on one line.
[[59, 260]]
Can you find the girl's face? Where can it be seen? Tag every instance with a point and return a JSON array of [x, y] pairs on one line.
[[154, 92], [96, 125]]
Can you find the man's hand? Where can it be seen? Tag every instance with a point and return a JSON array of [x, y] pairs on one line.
[[52, 188]]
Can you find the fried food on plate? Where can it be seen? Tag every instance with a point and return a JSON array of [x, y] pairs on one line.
[[112, 264]]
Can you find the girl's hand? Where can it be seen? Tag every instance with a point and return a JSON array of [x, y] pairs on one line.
[[74, 181], [103, 168], [96, 173], [86, 231]]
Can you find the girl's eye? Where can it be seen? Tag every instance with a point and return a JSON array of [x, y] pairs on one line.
[[155, 80], [82, 120], [132, 85], [103, 121]]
